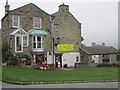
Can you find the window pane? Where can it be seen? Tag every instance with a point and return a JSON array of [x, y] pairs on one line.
[[38, 42], [33, 38], [37, 22], [34, 42], [34, 45], [38, 45], [38, 38], [18, 43], [10, 42], [15, 20], [24, 40]]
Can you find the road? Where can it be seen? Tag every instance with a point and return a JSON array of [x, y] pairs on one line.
[[72, 85]]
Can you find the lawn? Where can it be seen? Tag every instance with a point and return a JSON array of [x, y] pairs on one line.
[[34, 75], [0, 73]]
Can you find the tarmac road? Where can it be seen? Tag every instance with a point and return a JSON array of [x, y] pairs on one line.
[[71, 85]]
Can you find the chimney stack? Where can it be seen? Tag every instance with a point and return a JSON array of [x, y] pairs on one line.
[[7, 7], [103, 44], [93, 44], [64, 8]]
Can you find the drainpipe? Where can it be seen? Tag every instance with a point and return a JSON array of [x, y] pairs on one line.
[[52, 36]]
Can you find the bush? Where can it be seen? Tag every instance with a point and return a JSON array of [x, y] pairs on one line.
[[50, 67], [27, 56], [108, 65], [10, 59], [104, 65], [115, 64]]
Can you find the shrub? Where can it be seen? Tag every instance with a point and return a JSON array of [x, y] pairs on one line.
[[104, 65], [10, 59], [50, 67], [115, 64], [108, 65], [27, 56]]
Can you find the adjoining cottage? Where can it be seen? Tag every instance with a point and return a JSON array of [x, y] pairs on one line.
[[46, 38], [97, 54]]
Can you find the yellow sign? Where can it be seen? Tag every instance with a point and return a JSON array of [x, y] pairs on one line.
[[65, 47]]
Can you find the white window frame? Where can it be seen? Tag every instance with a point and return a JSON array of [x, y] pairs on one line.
[[15, 21], [27, 40], [37, 49], [95, 58], [34, 22], [21, 43]]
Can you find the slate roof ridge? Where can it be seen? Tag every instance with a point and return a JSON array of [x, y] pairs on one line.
[[27, 5], [99, 49]]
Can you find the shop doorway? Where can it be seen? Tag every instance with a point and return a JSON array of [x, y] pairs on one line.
[[58, 60]]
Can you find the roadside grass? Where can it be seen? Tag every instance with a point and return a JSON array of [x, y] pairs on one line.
[[0, 73], [19, 74]]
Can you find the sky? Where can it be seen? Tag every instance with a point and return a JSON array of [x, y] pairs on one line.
[[99, 18]]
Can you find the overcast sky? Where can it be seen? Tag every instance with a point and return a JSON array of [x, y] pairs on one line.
[[99, 18]]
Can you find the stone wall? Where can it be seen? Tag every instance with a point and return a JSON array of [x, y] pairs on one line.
[[69, 29]]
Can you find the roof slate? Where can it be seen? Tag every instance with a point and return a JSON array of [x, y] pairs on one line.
[[95, 50]]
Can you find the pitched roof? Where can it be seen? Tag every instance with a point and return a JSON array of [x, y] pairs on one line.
[[29, 4], [23, 7], [96, 50]]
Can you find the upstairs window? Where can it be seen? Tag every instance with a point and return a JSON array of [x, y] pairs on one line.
[[37, 22], [16, 21]]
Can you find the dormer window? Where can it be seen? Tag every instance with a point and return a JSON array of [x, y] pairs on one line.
[[37, 22], [16, 21]]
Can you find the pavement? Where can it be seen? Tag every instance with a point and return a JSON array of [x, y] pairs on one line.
[[71, 85]]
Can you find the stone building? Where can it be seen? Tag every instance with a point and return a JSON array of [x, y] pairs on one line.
[[0, 47], [26, 29], [96, 54], [67, 30], [31, 30]]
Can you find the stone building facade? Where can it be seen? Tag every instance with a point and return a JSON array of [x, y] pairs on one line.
[[68, 30], [30, 29], [19, 30], [97, 54]]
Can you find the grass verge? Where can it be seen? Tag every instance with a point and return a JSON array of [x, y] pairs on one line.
[[19, 74]]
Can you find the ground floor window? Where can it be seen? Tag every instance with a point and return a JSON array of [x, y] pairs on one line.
[[37, 42], [105, 60], [20, 42], [95, 58]]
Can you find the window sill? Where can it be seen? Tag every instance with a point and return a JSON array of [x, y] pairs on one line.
[[18, 51], [15, 27], [37, 50]]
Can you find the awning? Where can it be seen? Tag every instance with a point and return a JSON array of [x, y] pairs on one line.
[[37, 32]]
